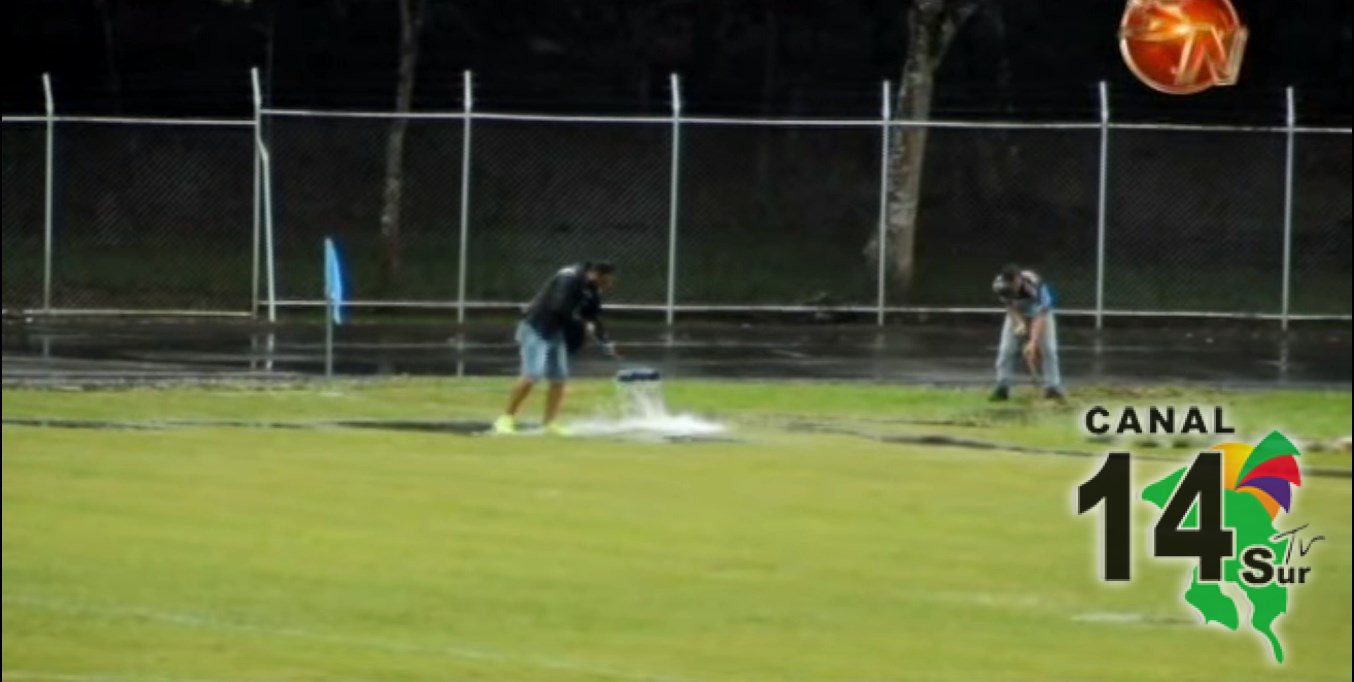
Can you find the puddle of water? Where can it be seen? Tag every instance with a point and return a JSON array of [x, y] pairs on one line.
[[459, 428], [664, 426], [83, 424], [675, 429]]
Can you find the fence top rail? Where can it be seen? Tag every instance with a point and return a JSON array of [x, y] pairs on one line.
[[350, 113], [897, 122], [695, 120], [800, 122], [135, 120], [461, 115], [1214, 128]]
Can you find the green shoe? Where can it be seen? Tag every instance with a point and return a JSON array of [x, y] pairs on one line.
[[557, 429], [505, 425]]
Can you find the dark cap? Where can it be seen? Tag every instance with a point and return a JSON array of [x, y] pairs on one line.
[[1006, 285]]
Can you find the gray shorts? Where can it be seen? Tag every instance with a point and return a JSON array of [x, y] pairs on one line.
[[542, 358]]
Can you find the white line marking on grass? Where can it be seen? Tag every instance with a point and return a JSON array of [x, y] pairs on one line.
[[209, 622], [1111, 617], [1129, 618]]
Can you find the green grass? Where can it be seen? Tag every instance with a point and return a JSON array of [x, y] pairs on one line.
[[328, 553]]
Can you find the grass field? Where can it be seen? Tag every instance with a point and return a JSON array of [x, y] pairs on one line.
[[820, 541]]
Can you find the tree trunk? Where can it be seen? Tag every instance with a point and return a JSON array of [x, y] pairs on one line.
[[411, 24], [907, 153], [110, 53], [932, 24], [767, 138]]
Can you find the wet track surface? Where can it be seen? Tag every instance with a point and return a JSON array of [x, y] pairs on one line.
[[68, 352]]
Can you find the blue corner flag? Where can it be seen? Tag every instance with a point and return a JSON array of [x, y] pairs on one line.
[[333, 279]]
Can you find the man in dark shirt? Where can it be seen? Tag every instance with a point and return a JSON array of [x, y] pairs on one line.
[[559, 318]]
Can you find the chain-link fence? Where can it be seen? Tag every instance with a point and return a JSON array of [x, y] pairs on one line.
[[992, 196], [22, 155], [329, 179], [1196, 221], [1321, 225], [544, 194], [777, 215], [152, 217], [762, 214]]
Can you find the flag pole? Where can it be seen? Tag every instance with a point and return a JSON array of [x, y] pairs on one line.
[[328, 316], [328, 339]]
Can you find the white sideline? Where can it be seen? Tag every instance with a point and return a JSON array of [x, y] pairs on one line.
[[209, 622]]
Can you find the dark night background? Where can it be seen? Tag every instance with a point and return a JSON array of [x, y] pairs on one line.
[[1035, 58]]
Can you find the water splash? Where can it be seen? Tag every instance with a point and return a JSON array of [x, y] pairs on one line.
[[644, 413]]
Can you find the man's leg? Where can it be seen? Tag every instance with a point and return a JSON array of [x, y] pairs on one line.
[[1008, 350], [554, 397], [533, 364], [518, 395], [557, 371], [1048, 350]]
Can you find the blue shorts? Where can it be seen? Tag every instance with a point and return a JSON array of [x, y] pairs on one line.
[[542, 358]]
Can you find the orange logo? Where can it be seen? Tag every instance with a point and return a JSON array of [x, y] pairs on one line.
[[1182, 46]]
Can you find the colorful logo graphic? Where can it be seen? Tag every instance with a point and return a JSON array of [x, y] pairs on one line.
[[1222, 510], [1182, 47], [1258, 482]]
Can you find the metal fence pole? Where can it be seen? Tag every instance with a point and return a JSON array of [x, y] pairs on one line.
[[885, 116], [676, 89], [468, 104], [48, 177], [1288, 211], [266, 181], [270, 263], [258, 193], [1100, 206]]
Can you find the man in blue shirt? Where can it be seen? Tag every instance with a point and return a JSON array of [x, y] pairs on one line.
[[1028, 330]]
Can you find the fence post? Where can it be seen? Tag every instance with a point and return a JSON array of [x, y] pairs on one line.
[[1100, 206], [258, 193], [264, 160], [270, 264], [676, 93], [885, 117], [48, 177], [1288, 210], [468, 105]]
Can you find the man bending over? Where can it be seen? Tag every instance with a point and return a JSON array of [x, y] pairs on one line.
[[1028, 331], [562, 314]]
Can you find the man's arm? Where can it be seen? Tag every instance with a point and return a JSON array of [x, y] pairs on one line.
[[598, 331], [1017, 321], [1039, 325], [590, 312], [1032, 353]]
